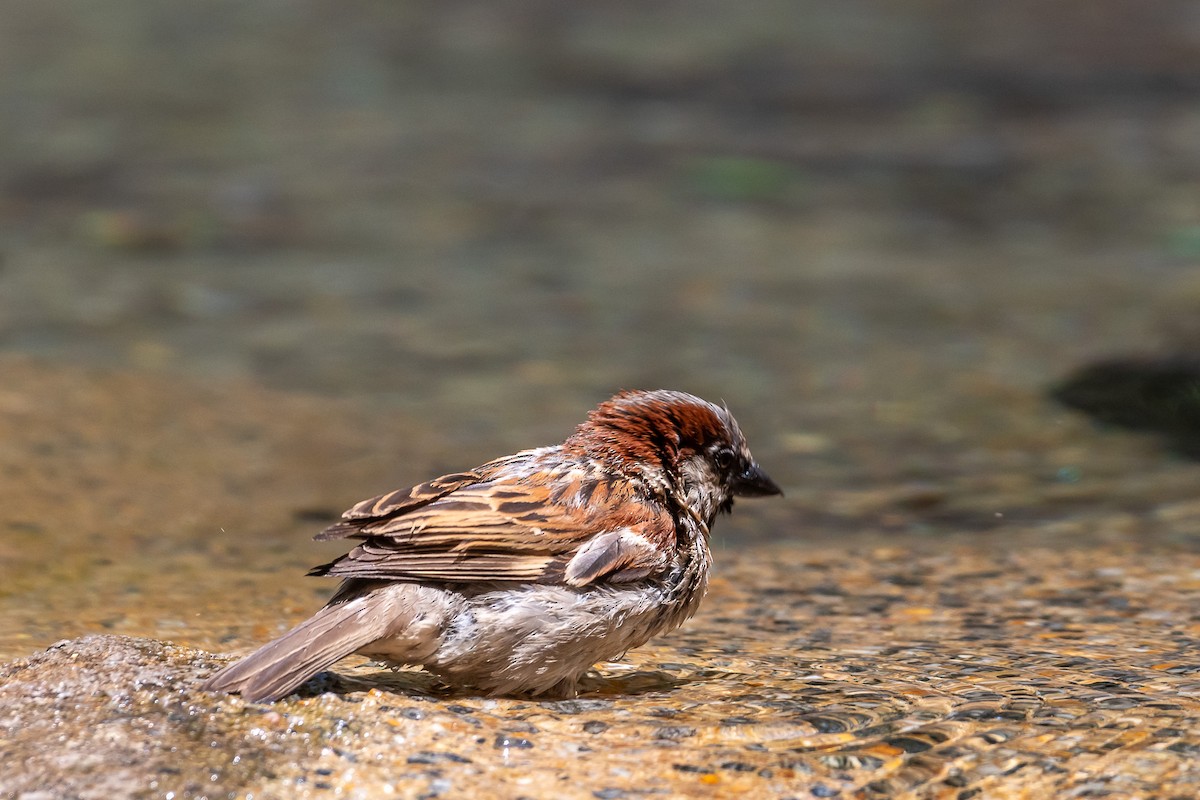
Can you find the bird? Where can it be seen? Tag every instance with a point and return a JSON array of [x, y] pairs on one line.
[[515, 578]]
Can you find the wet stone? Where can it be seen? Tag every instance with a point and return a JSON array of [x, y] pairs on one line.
[[505, 741], [674, 733], [692, 768], [437, 758], [581, 706]]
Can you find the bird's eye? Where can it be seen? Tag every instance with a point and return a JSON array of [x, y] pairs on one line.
[[723, 458]]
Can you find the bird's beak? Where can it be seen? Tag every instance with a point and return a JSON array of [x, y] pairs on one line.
[[753, 482]]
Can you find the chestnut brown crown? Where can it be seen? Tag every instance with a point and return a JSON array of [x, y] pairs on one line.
[[671, 430]]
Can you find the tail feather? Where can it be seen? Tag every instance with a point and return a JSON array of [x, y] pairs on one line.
[[279, 667]]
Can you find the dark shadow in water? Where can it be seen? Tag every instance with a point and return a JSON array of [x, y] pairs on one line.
[[1161, 395], [422, 684]]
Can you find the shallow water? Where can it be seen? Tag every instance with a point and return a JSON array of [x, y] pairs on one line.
[[868, 640], [394, 255]]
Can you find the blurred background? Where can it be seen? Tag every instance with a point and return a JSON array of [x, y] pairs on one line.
[[878, 230]]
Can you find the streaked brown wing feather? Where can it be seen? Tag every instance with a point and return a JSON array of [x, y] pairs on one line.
[[397, 502], [494, 529], [442, 567]]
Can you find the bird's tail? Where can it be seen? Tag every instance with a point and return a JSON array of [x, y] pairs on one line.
[[279, 667]]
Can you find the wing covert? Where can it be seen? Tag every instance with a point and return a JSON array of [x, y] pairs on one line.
[[465, 527]]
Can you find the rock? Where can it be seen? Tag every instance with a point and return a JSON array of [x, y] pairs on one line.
[[113, 716]]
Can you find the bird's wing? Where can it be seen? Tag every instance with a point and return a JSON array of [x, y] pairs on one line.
[[394, 504], [497, 525]]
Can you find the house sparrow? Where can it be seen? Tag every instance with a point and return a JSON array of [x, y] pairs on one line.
[[517, 576]]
